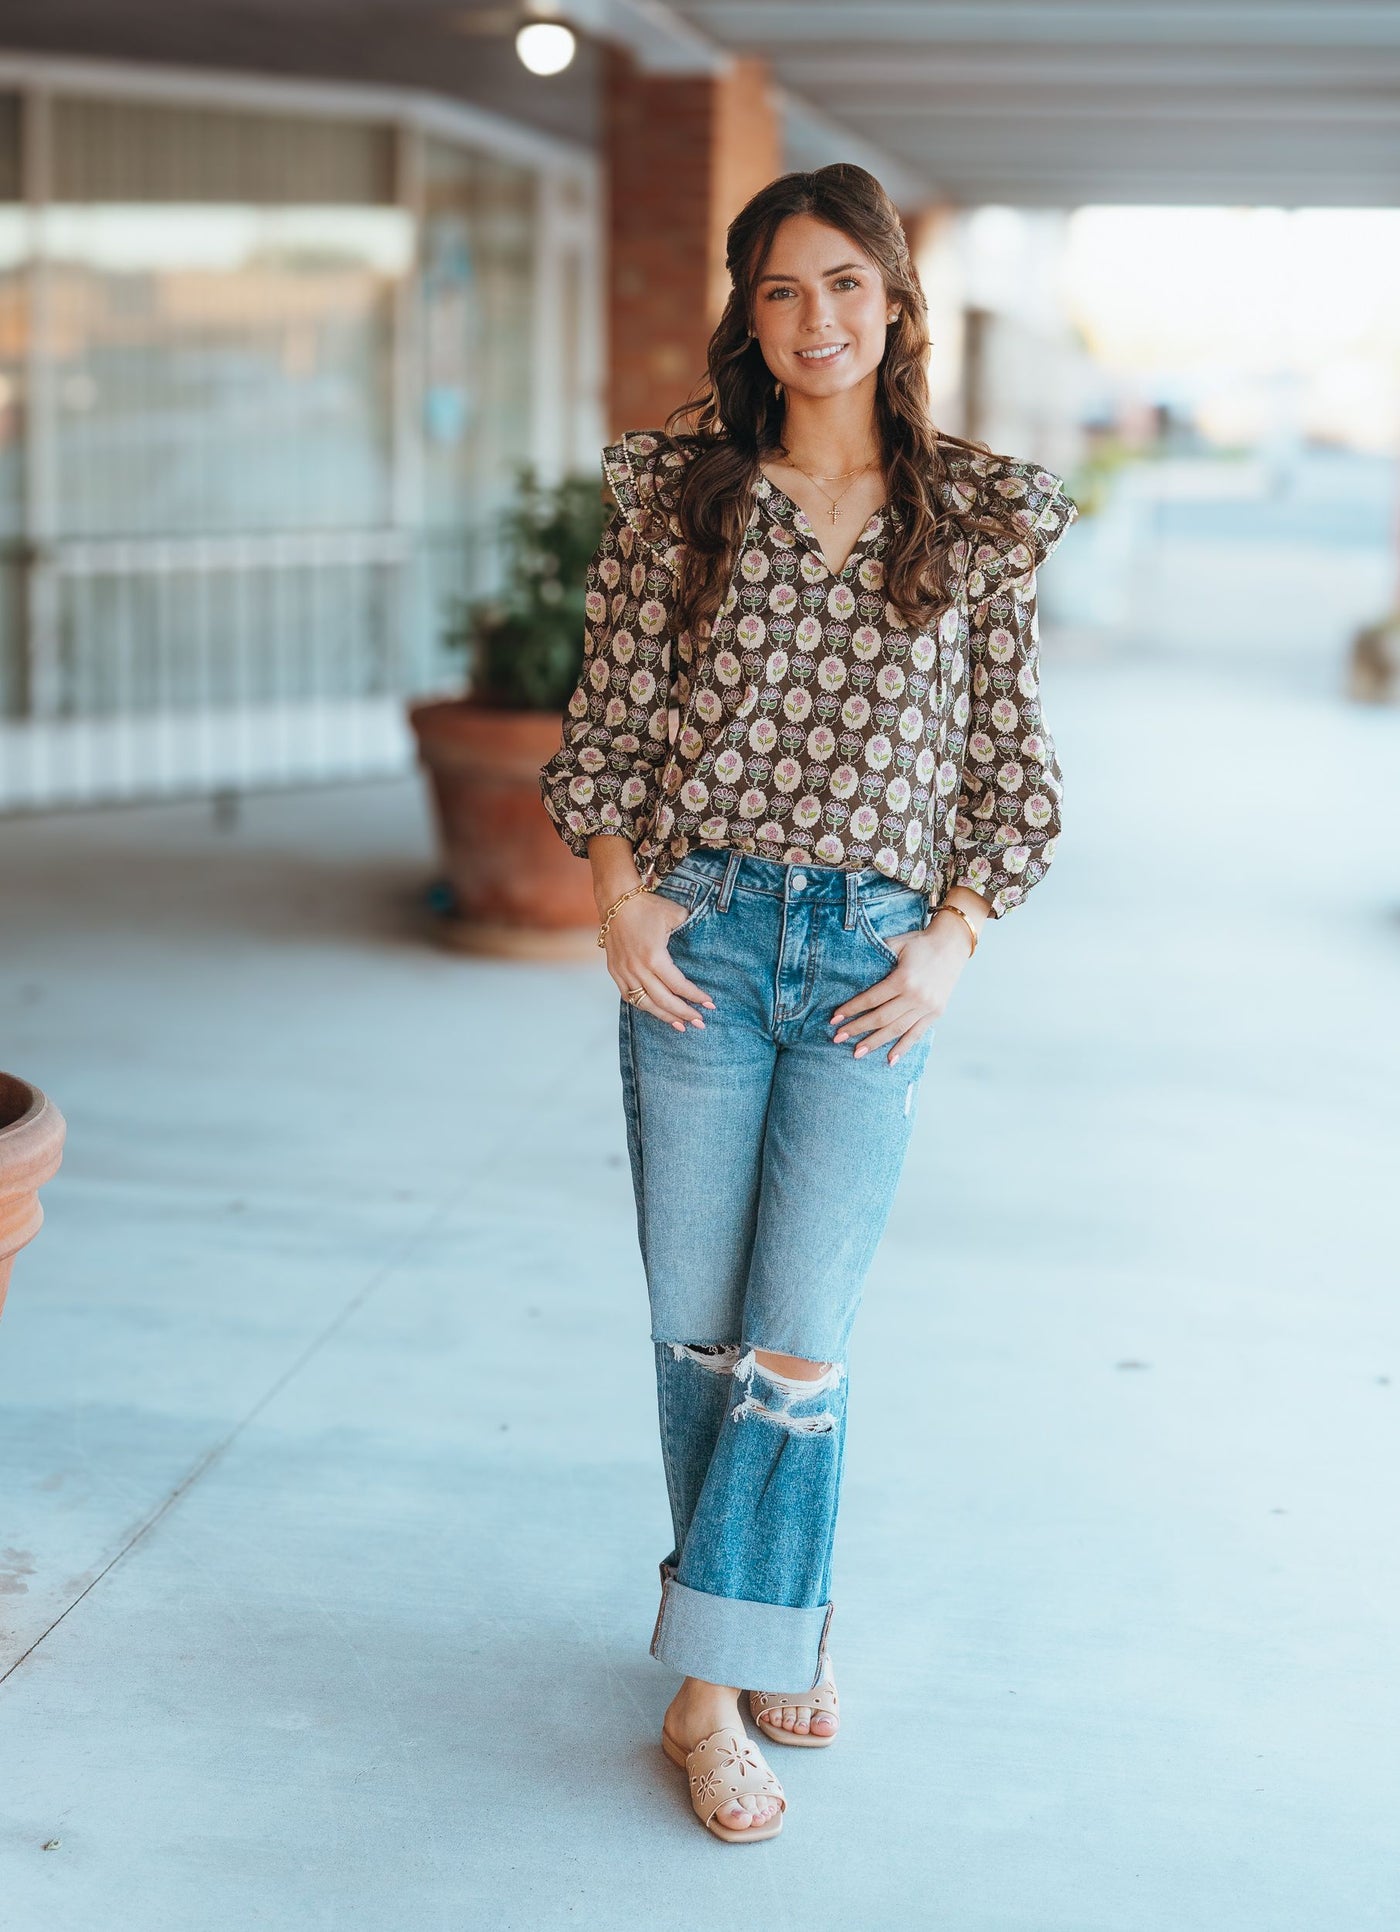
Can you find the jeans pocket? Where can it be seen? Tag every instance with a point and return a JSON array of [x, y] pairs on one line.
[[891, 916], [699, 894]]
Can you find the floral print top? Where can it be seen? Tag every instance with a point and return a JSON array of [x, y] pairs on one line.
[[812, 726]]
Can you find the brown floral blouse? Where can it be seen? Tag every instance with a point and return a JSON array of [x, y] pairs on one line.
[[812, 726]]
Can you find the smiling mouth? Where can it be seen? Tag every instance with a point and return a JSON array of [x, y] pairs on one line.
[[827, 353]]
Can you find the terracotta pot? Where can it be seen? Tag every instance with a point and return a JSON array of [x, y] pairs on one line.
[[31, 1147], [520, 892]]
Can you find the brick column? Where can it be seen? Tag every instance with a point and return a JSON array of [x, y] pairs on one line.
[[683, 154]]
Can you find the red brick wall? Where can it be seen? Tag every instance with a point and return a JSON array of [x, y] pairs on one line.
[[747, 153], [683, 153]]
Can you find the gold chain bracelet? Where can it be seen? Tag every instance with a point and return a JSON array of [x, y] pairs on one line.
[[971, 929], [630, 893]]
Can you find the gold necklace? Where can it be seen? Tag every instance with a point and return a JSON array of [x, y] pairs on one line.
[[836, 476], [835, 500]]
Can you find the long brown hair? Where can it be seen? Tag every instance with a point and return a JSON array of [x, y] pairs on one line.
[[739, 416]]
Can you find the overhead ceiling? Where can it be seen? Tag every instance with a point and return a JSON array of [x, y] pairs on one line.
[[1030, 102], [462, 50], [1058, 102]]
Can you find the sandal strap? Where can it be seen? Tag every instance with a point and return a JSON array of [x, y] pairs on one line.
[[822, 1697], [728, 1765]]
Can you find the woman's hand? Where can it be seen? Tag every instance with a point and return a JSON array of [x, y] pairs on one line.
[[637, 955], [913, 994]]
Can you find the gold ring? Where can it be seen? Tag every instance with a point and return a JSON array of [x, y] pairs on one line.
[[636, 994]]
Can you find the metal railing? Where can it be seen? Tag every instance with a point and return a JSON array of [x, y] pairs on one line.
[[162, 665]]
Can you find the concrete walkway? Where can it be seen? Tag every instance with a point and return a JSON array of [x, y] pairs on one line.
[[332, 1498]]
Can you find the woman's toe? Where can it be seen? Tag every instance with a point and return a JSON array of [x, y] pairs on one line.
[[742, 1814], [802, 1719]]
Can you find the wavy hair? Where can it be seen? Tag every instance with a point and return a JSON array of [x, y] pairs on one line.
[[739, 413]]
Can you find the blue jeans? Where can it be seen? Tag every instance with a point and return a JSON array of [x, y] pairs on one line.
[[765, 1160]]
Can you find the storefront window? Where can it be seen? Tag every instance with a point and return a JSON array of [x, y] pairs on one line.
[[276, 414], [477, 277], [222, 368]]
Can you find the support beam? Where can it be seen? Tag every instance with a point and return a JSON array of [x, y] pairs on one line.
[[683, 154]]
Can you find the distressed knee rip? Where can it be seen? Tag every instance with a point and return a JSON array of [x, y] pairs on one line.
[[784, 1398], [718, 1357]]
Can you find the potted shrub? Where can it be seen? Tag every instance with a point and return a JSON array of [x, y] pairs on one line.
[[31, 1147], [518, 890]]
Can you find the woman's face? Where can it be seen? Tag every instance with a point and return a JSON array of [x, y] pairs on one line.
[[819, 309]]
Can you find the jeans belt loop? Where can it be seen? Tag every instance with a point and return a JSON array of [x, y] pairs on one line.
[[852, 898], [731, 873]]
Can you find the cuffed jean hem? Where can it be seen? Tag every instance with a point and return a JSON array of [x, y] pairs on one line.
[[732, 1640]]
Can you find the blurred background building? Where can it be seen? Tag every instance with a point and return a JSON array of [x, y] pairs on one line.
[[287, 294]]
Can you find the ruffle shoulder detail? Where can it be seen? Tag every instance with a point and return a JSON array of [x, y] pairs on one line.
[[643, 470], [1041, 511]]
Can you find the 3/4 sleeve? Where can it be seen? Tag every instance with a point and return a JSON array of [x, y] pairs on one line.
[[1008, 811], [605, 776]]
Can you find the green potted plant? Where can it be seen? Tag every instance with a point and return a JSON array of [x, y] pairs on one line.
[[517, 889]]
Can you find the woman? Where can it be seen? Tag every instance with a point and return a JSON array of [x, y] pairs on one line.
[[838, 602]]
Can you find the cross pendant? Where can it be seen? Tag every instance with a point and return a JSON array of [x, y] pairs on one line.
[[833, 513]]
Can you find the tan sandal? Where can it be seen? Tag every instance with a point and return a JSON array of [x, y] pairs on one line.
[[724, 1766], [822, 1697]]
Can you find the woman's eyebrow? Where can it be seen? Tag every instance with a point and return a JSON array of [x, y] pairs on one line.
[[843, 268]]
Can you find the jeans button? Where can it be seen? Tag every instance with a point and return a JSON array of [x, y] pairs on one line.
[[799, 879]]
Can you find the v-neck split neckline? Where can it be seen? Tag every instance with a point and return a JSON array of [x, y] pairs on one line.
[[802, 523]]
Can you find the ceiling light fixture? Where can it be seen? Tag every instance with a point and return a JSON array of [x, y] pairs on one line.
[[545, 46]]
